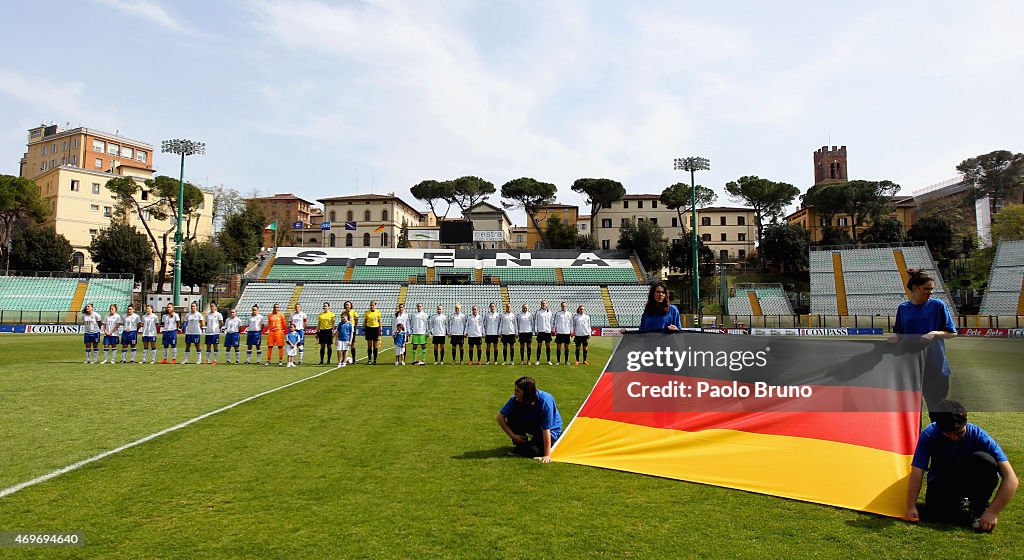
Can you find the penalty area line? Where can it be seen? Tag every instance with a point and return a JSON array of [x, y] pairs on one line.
[[74, 466]]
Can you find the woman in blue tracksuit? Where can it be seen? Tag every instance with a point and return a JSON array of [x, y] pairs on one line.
[[660, 315]]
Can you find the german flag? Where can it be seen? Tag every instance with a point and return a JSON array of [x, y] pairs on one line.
[[378, 229], [831, 422]]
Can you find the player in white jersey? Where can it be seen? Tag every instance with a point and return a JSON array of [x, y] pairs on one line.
[[508, 331], [130, 334], [169, 334], [475, 334], [418, 332], [91, 323], [492, 323], [524, 326], [214, 322], [254, 334], [581, 328], [299, 320], [149, 329], [457, 332], [194, 323], [543, 325], [232, 336], [438, 330], [563, 333], [111, 335]]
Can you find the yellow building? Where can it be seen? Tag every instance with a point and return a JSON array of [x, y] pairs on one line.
[[370, 220], [565, 212], [730, 232], [903, 209], [79, 201]]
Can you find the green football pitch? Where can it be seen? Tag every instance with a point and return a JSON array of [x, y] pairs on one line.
[[379, 461]]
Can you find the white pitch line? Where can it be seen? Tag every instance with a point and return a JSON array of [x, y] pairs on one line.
[[17, 487]]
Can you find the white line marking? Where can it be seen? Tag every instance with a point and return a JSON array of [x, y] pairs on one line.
[[17, 487]]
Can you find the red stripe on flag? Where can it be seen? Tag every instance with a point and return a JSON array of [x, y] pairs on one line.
[[886, 430]]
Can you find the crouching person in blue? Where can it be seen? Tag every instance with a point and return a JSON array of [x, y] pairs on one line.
[[531, 419], [965, 465]]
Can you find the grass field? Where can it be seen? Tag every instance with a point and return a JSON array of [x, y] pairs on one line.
[[378, 461]]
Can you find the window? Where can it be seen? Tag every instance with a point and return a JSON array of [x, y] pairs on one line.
[[145, 195], [94, 207], [75, 185], [127, 153], [606, 205], [64, 160], [843, 222], [98, 146], [42, 165], [94, 232], [723, 255], [742, 236], [565, 221], [384, 239], [95, 188], [705, 221], [64, 146], [675, 222], [44, 150], [384, 215], [78, 259], [605, 244], [37, 133], [53, 163], [366, 240], [348, 216], [366, 217], [606, 222], [74, 143], [113, 149], [640, 220], [519, 238], [583, 227], [654, 221], [741, 220], [146, 216], [625, 222], [825, 222], [625, 204], [107, 211], [722, 221], [639, 204], [348, 239], [74, 159], [332, 216], [654, 204], [332, 240], [725, 237], [98, 163], [742, 253], [706, 237], [140, 156]]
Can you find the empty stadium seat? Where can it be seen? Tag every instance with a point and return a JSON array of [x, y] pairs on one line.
[[574, 296], [628, 303], [1004, 284]]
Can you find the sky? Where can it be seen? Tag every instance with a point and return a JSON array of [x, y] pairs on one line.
[[327, 98]]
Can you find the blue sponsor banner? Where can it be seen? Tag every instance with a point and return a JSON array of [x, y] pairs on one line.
[[866, 331], [6, 328], [324, 226]]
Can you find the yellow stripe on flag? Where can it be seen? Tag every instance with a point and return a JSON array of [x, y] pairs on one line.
[[811, 470]]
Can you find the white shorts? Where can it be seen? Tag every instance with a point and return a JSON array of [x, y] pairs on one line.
[[343, 345], [399, 350], [292, 351]]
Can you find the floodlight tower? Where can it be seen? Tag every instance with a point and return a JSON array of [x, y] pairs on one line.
[[694, 164], [183, 148]]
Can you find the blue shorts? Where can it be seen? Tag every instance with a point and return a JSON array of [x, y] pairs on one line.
[[302, 337], [110, 340], [253, 338], [148, 339], [129, 337], [231, 340], [170, 338], [213, 339], [192, 338], [92, 338]]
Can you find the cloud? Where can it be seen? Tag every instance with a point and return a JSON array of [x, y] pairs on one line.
[[150, 11]]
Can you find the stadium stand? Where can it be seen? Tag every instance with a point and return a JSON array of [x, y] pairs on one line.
[[25, 293], [524, 275], [448, 296], [300, 273], [628, 302], [1004, 295], [866, 281], [265, 296], [103, 292], [364, 273], [386, 295], [770, 300], [599, 275]]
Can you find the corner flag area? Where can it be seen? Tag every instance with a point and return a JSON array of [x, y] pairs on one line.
[[235, 461]]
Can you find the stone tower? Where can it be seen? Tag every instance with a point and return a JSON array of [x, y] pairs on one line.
[[830, 165]]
